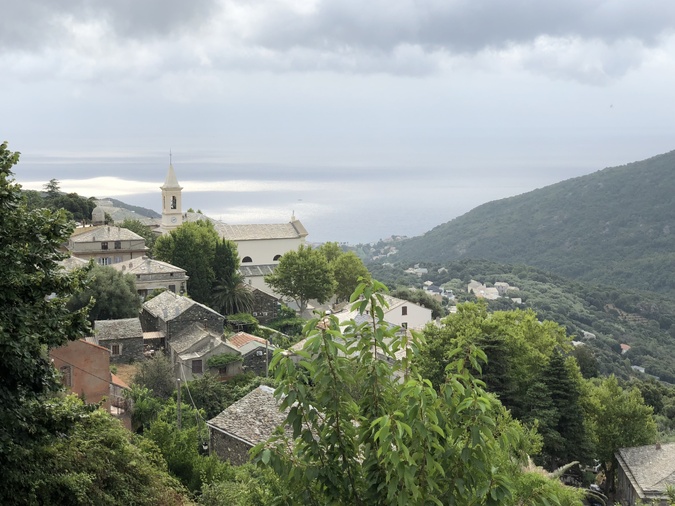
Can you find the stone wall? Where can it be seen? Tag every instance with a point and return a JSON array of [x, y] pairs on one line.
[[256, 364], [265, 307], [131, 349], [228, 448], [196, 314]]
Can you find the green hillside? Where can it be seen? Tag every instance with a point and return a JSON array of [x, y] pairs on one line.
[[615, 226]]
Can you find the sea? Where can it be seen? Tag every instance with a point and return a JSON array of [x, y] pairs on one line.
[[347, 204]]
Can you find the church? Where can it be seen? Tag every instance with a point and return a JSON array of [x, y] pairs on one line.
[[260, 246]]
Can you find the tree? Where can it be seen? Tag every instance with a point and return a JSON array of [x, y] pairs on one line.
[[157, 375], [230, 294], [112, 292], [52, 188], [619, 419], [144, 231], [367, 432], [348, 270], [303, 275], [33, 318], [191, 247]]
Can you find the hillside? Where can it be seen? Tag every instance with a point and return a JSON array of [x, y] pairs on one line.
[[615, 226], [600, 316]]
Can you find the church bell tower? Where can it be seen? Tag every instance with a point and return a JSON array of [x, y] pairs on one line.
[[172, 215]]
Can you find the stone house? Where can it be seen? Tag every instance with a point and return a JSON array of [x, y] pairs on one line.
[[123, 338], [265, 306], [256, 352], [644, 474], [150, 275], [249, 421], [106, 244], [170, 314], [191, 350]]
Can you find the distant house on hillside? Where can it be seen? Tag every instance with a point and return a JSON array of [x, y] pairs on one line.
[[106, 244], [191, 350], [645, 473], [399, 312], [249, 421]]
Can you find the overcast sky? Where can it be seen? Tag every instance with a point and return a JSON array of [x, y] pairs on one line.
[[540, 91]]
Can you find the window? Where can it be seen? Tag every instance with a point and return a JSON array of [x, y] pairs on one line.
[[118, 244], [404, 310], [276, 257], [66, 375], [172, 288], [404, 325], [246, 260], [104, 261], [118, 259], [196, 367], [116, 349], [104, 245], [173, 202]]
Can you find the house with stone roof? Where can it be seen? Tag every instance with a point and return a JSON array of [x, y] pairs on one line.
[[256, 352], [191, 350], [645, 473], [71, 263], [169, 314], [150, 274], [251, 420], [122, 337], [106, 244]]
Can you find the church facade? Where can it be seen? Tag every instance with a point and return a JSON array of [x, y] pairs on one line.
[[260, 246]]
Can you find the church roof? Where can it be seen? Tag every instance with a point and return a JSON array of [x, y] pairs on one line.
[[258, 232], [171, 182]]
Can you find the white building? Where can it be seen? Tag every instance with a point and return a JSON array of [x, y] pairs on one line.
[[400, 312]]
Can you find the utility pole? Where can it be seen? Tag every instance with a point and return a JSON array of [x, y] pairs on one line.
[[178, 404]]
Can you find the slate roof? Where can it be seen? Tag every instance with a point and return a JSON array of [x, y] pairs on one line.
[[145, 265], [651, 469], [168, 305], [71, 263], [253, 418], [191, 336], [106, 233], [118, 329]]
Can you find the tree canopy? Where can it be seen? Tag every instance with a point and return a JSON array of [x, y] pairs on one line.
[[303, 275], [113, 293], [192, 247], [371, 431]]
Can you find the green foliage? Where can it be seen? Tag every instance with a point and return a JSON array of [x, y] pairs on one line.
[[223, 359], [303, 275], [145, 408], [249, 486], [422, 298], [113, 293], [32, 320], [192, 247], [144, 231], [99, 462], [242, 322], [157, 375], [620, 419], [230, 294], [348, 270], [611, 227], [371, 431]]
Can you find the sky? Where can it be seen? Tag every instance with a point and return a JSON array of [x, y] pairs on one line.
[[364, 118]]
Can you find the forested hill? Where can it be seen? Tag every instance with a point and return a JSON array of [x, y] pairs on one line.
[[615, 226]]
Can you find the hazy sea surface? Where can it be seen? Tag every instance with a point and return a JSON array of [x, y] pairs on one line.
[[345, 204]]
